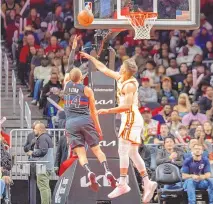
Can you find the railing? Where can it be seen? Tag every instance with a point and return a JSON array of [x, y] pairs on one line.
[[208, 63], [28, 117], [21, 104], [18, 138], [14, 91], [6, 68]]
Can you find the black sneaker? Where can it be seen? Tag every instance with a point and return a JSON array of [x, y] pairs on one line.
[[30, 95], [94, 185]]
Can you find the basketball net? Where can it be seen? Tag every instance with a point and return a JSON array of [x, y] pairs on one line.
[[142, 23]]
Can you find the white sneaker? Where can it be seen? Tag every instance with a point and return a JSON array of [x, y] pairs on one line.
[[149, 191], [94, 185], [112, 180], [119, 190], [33, 102]]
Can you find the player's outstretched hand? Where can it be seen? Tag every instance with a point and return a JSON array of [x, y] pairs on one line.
[[75, 42], [85, 55], [103, 111]]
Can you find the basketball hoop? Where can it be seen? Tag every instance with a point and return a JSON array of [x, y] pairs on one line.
[[142, 22]]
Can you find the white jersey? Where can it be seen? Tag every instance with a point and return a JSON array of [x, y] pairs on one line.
[[131, 121], [120, 86]]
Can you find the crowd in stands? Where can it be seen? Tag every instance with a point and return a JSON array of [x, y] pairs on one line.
[[175, 73]]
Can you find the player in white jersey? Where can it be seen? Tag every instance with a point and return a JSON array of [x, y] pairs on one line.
[[131, 127]]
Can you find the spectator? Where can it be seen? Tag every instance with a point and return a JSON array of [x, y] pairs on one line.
[[198, 132], [24, 53], [182, 135], [201, 90], [170, 153], [178, 79], [30, 142], [53, 47], [161, 72], [164, 116], [5, 167], [196, 172], [11, 28], [188, 84], [164, 133], [173, 69], [141, 57], [151, 127], [150, 71], [59, 33], [65, 42], [184, 106], [208, 51], [193, 49], [197, 61], [206, 101], [35, 62], [42, 76], [41, 31], [46, 91], [203, 37], [175, 123], [33, 19], [56, 16], [191, 145], [194, 115], [46, 40], [145, 93], [184, 57], [10, 5], [162, 58], [168, 92], [208, 130], [204, 23], [43, 151]]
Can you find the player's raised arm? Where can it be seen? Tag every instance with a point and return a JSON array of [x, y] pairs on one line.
[[71, 59], [89, 93], [129, 91], [101, 67]]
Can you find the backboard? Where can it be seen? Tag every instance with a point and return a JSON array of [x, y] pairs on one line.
[[172, 14]]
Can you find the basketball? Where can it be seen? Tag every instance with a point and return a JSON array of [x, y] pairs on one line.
[[85, 18]]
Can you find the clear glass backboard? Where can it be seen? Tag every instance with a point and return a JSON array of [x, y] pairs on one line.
[[172, 14]]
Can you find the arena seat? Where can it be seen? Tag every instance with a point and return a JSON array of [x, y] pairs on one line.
[[169, 174]]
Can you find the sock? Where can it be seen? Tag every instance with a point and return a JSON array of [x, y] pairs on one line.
[[86, 167], [106, 167], [144, 176], [122, 179]]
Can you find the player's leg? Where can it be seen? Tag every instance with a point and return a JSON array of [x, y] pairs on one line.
[[92, 139], [102, 159], [81, 153], [77, 140], [123, 151], [149, 186]]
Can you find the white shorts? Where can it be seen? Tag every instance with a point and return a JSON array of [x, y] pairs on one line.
[[131, 126]]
